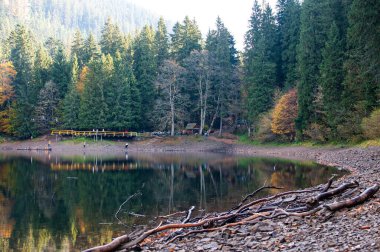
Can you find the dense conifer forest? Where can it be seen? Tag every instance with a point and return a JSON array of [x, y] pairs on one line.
[[309, 70]]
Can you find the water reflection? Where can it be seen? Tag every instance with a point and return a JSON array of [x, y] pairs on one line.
[[68, 203]]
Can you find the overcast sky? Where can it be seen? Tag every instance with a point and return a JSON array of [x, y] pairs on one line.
[[234, 13]]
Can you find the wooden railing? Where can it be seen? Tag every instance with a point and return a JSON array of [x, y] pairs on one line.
[[99, 133]]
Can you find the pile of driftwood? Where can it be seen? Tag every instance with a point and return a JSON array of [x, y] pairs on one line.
[[299, 203]]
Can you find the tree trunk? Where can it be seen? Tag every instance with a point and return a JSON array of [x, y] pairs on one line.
[[220, 125]]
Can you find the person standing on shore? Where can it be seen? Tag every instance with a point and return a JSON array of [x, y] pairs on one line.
[[84, 145]]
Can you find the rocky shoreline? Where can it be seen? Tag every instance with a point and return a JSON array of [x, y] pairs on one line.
[[352, 229]]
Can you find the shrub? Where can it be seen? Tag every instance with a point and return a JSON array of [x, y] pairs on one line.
[[317, 132], [371, 125], [264, 132]]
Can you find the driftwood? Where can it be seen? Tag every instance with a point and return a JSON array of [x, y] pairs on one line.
[[368, 193], [251, 212], [333, 192], [329, 183], [112, 246]]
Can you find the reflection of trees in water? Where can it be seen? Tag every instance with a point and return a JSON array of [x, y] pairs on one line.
[[62, 208]]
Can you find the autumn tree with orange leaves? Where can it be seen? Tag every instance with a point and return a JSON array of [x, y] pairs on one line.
[[284, 115], [7, 76]]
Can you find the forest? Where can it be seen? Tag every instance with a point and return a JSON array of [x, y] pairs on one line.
[[309, 71]]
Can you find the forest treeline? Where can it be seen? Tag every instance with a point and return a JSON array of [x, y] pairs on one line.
[[310, 71]]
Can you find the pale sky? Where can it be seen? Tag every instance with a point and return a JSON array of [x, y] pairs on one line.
[[234, 13]]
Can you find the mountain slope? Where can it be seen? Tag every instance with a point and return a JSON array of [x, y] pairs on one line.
[[59, 18]]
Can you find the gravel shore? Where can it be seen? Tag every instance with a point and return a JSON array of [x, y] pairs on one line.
[[354, 229]]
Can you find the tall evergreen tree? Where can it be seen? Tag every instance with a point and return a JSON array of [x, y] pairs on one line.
[[260, 66], [363, 68], [161, 41], [145, 70], [42, 63], [91, 49], [221, 47], [77, 47], [186, 37], [71, 102], [288, 20], [94, 109], [316, 19], [331, 78], [60, 71], [22, 56]]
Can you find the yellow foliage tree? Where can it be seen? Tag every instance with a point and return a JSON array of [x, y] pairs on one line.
[[7, 76], [284, 114], [82, 78]]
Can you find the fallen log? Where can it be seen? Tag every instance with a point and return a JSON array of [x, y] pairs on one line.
[[112, 246], [246, 206], [331, 193], [368, 193]]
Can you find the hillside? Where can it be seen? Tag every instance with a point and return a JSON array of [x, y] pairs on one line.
[[59, 18]]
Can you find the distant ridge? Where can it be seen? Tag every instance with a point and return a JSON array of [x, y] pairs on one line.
[[60, 18]]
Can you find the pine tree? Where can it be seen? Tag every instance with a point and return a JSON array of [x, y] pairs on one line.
[[363, 69], [60, 71], [261, 61], [71, 102], [22, 56], [77, 48], [221, 47], [111, 39], [93, 109], [186, 37], [331, 78], [316, 19], [42, 63], [91, 49], [46, 110], [161, 41], [288, 19], [145, 71]]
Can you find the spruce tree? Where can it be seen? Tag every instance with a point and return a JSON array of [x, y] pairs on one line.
[[316, 19], [91, 49], [22, 56], [288, 20], [161, 42], [362, 80], [331, 78], [77, 48], [260, 67], [186, 37], [60, 71], [71, 102], [145, 71]]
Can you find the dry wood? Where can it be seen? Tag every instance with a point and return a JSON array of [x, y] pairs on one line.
[[329, 183], [336, 191], [112, 246], [246, 206], [257, 191], [242, 222], [248, 213], [368, 193]]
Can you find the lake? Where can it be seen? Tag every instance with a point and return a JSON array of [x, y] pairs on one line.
[[50, 203]]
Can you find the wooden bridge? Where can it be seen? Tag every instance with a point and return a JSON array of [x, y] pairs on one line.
[[97, 133]]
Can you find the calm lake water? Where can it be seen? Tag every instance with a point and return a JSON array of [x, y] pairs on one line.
[[68, 203]]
